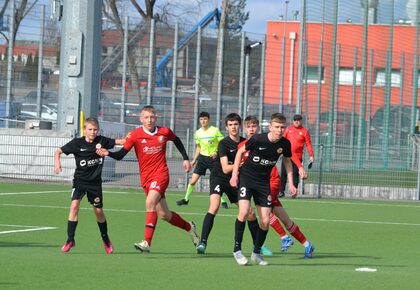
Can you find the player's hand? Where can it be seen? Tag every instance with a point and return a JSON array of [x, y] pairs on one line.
[[57, 168], [187, 165], [193, 163], [311, 159], [233, 181], [214, 155], [102, 152], [303, 173], [293, 191]]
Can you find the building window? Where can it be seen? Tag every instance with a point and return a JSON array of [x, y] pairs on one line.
[[345, 76], [311, 75], [380, 77]]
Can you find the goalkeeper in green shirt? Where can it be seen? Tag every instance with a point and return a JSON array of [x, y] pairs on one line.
[[207, 139]]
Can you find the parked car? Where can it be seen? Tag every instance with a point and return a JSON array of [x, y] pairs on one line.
[[29, 111], [47, 97]]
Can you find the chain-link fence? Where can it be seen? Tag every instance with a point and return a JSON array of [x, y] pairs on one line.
[[350, 69]]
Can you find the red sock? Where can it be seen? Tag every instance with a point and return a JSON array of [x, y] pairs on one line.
[[295, 232], [179, 222], [149, 230], [275, 224]]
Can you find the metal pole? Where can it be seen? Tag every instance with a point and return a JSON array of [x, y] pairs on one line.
[[241, 74], [197, 80], [333, 84], [415, 82], [220, 77], [40, 62], [124, 75], [9, 63], [151, 57], [173, 89], [283, 58], [320, 169], [320, 74], [301, 61], [292, 37], [353, 100], [244, 110], [262, 76], [369, 103]]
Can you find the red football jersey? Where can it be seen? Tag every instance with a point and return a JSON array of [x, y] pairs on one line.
[[150, 150], [298, 137]]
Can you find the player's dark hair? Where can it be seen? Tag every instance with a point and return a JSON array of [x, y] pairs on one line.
[[251, 120], [204, 115], [278, 118], [233, 117], [92, 121]]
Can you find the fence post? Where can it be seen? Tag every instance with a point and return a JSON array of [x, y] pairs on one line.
[[124, 75], [173, 88], [320, 169], [40, 62], [10, 63], [151, 57]]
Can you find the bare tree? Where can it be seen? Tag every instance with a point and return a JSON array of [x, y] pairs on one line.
[[111, 11], [22, 8]]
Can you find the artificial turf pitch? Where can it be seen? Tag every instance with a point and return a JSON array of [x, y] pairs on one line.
[[347, 234]]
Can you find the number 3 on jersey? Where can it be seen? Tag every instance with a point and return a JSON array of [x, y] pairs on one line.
[[243, 192]]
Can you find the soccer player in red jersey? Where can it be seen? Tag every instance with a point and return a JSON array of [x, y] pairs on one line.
[[298, 137], [251, 125], [149, 142]]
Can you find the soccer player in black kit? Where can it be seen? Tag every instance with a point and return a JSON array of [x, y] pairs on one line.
[[87, 178], [219, 180], [254, 181]]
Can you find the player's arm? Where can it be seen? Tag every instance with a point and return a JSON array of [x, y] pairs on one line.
[[309, 147], [119, 141], [57, 160], [196, 153], [117, 155], [235, 171], [178, 144], [289, 170], [300, 167]]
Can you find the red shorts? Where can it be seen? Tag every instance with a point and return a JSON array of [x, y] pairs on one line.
[[274, 191], [159, 184], [275, 200]]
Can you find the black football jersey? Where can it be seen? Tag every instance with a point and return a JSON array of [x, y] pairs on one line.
[[88, 163], [227, 147], [263, 156]]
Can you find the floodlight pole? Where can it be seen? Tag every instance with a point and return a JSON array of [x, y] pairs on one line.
[[248, 50]]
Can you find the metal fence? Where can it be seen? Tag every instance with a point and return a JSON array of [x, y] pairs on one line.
[[351, 70]]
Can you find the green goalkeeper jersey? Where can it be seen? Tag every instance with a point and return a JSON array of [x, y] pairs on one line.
[[208, 140]]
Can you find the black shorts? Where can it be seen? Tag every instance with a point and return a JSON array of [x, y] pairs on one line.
[[220, 185], [93, 192], [259, 191], [203, 163]]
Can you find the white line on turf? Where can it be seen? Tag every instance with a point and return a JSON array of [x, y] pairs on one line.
[[222, 215], [28, 229], [58, 191]]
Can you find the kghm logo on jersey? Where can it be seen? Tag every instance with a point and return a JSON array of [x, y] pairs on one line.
[[280, 150], [98, 146], [92, 162], [211, 142], [161, 139]]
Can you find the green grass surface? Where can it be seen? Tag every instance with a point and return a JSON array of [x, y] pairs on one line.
[[347, 235]]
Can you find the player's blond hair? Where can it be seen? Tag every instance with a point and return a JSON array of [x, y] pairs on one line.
[[92, 121], [149, 108]]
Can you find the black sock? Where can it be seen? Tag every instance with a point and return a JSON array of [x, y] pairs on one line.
[[253, 228], [103, 227], [207, 226], [239, 234], [71, 230], [261, 235]]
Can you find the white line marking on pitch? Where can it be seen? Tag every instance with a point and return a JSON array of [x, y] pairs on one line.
[[27, 229], [223, 215], [56, 191]]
